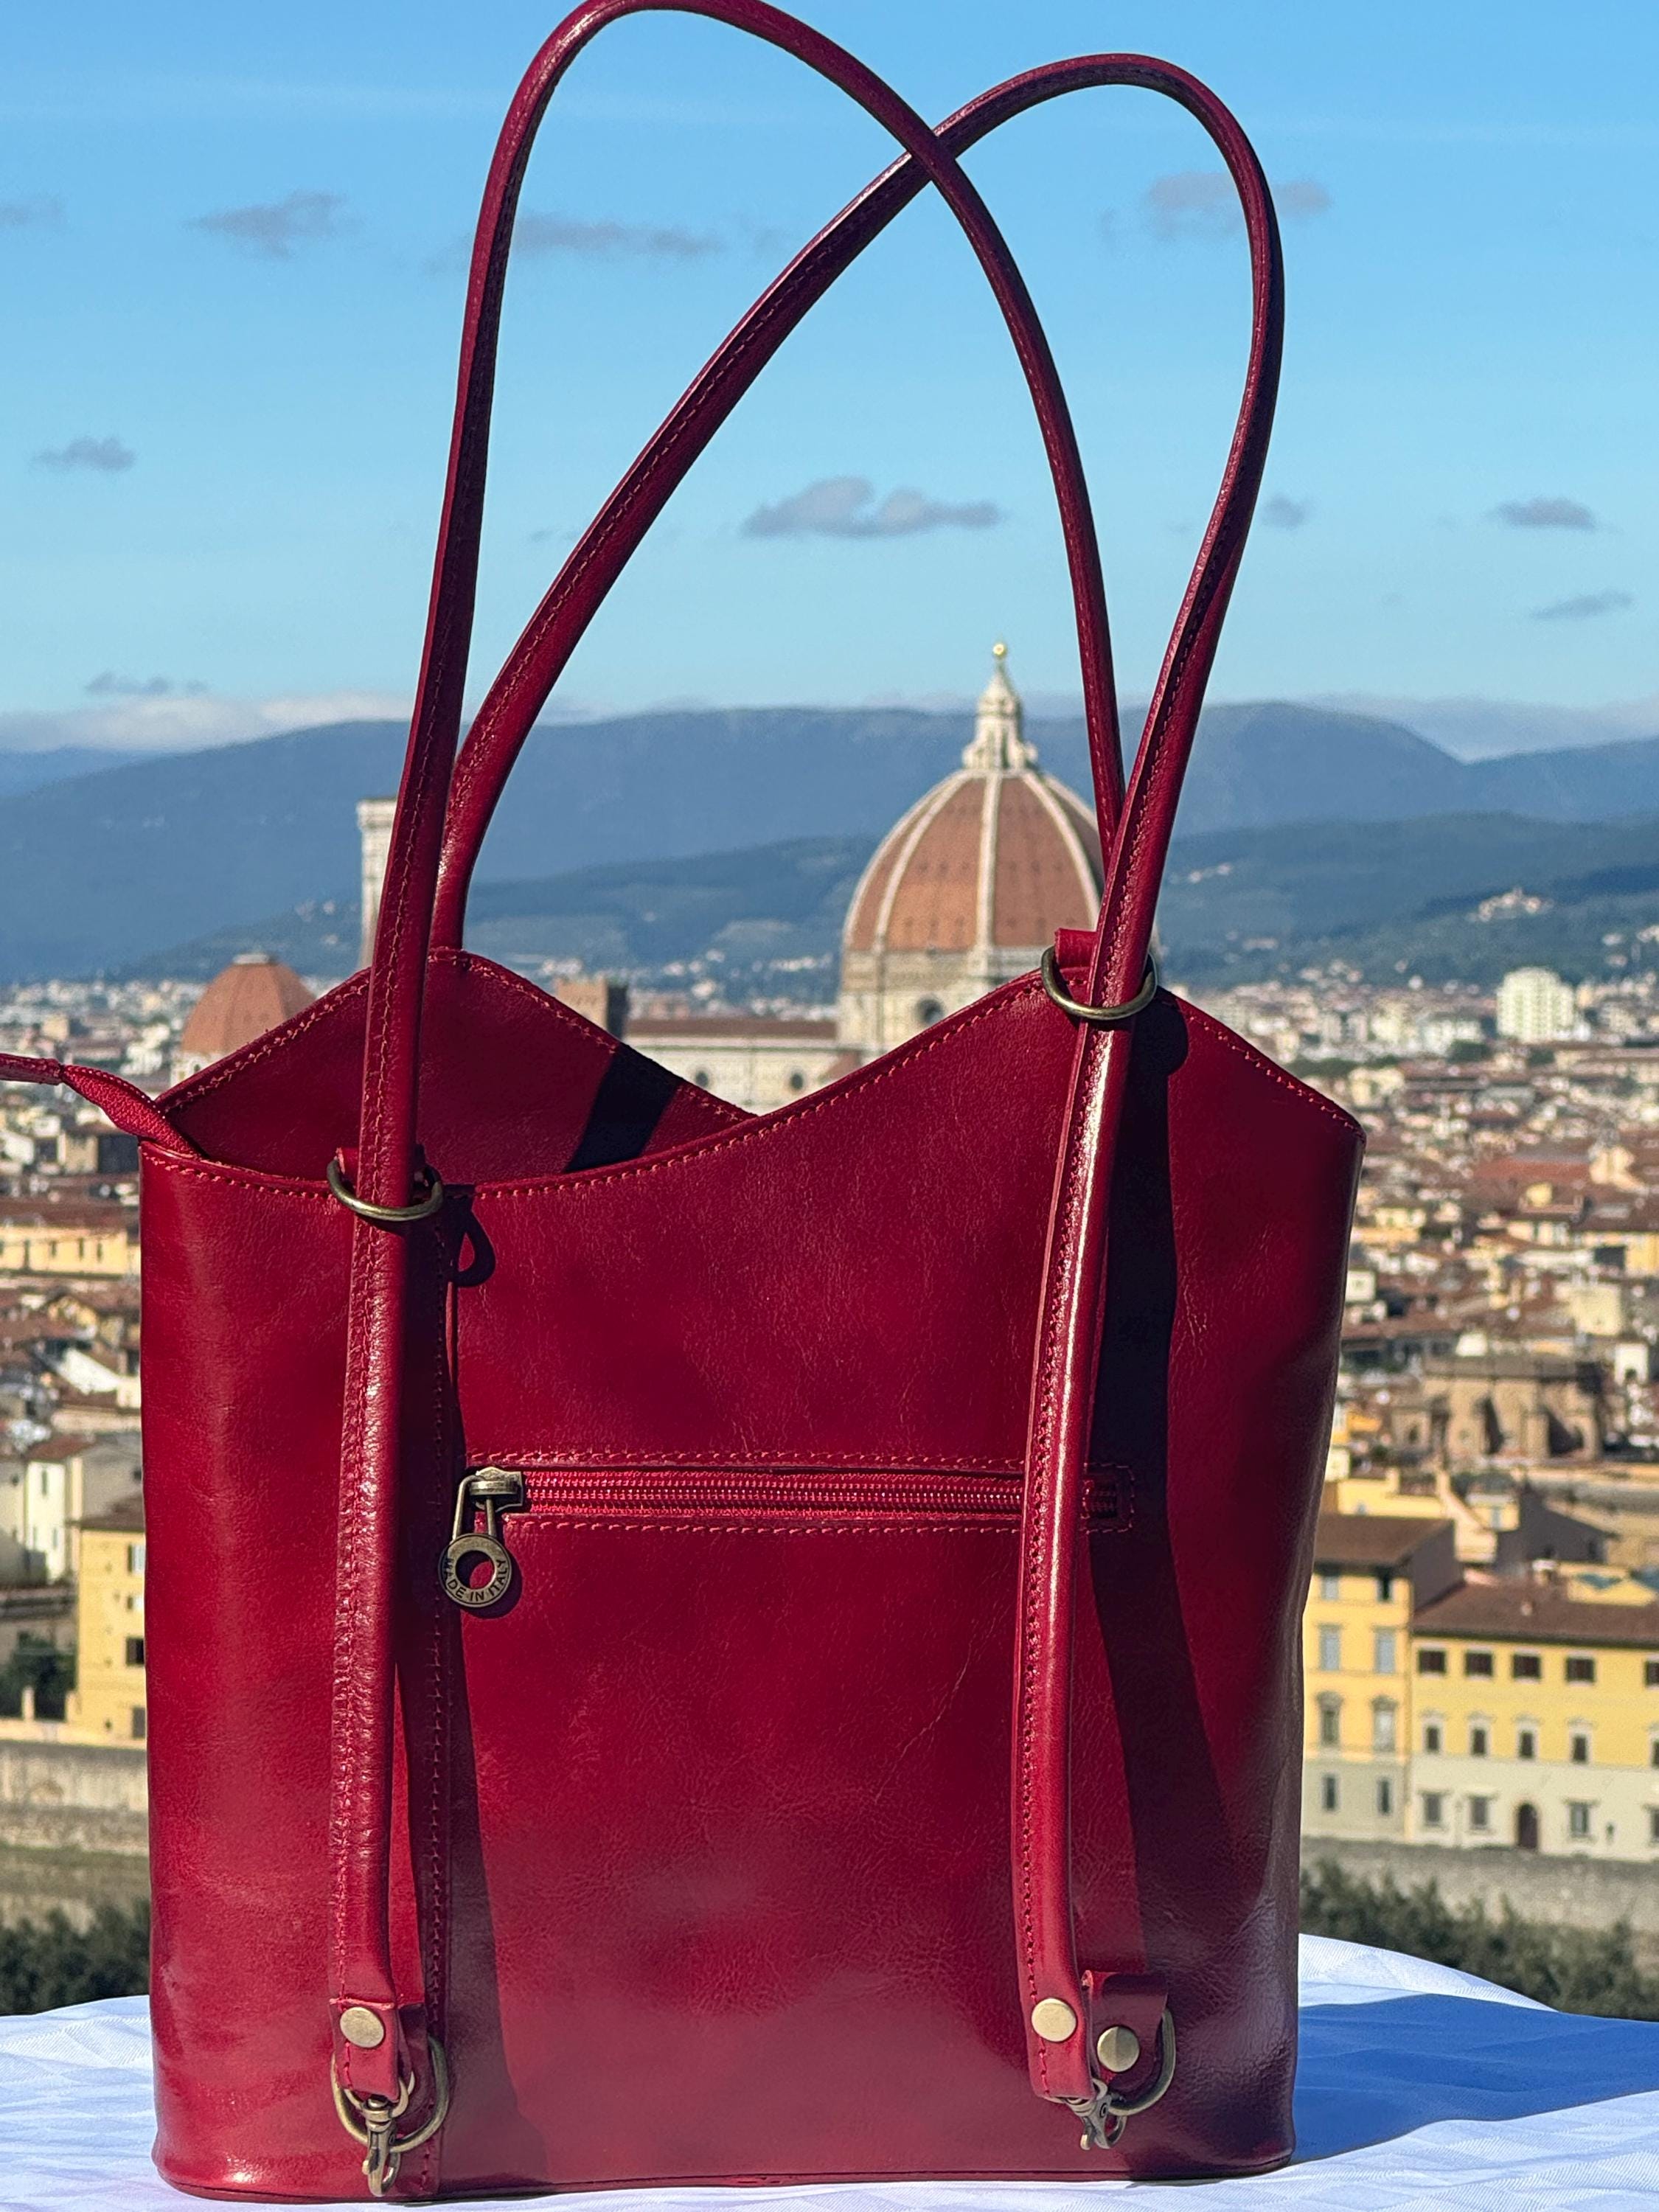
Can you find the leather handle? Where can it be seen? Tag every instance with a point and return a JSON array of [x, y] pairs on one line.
[[526, 682], [1075, 1268], [360, 1981]]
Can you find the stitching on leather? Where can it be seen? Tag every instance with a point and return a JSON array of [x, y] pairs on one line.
[[574, 1460], [997, 1003], [437, 1976], [1051, 1325], [536, 1523], [789, 1117], [1245, 1050]]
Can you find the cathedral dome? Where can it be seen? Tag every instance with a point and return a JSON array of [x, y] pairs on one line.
[[971, 885], [253, 994]]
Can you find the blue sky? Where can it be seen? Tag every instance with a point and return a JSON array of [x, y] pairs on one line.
[[232, 247]]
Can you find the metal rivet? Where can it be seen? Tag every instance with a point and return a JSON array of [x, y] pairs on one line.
[[1054, 2020], [1117, 2049], [360, 2027]]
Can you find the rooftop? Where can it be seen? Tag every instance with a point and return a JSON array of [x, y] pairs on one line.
[[1536, 1612]]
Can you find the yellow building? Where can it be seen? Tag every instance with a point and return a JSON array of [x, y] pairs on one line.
[[1536, 1716], [109, 1697], [1371, 1573], [66, 1240]]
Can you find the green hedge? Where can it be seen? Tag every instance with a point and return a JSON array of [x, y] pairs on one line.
[[47, 1962], [1575, 1968]]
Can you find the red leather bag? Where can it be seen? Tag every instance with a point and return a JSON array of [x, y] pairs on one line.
[[693, 1648]]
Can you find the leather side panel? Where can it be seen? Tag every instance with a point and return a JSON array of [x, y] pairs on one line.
[[786, 1753]]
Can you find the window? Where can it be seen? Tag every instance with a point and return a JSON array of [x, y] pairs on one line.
[[135, 1650], [1653, 1752], [1477, 1739], [135, 1559], [1434, 1809], [1481, 1816], [1580, 1669], [1526, 1743], [1653, 1823], [700, 1077], [1330, 1586], [1327, 1793], [1578, 1821], [1651, 1674], [1385, 1797], [1431, 1662], [1382, 1725], [137, 1723], [1526, 1667], [928, 1011], [1384, 1585], [797, 1080], [1578, 1747], [1384, 1660], [1430, 1735], [1330, 1650], [1477, 1662], [1330, 1721]]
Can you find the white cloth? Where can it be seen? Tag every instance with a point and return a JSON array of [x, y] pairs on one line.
[[1420, 2090]]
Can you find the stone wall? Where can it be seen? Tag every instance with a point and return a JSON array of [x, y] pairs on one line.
[[1572, 1893], [73, 1796]]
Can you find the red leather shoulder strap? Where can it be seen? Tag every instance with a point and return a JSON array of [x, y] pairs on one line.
[[1065, 2066], [528, 675], [373, 2070]]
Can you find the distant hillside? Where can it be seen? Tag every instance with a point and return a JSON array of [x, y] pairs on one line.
[[98, 869], [1237, 905], [1408, 897], [768, 917], [25, 770]]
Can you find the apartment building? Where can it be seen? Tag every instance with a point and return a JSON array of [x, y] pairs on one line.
[[1457, 1706], [1535, 1715], [1371, 1573]]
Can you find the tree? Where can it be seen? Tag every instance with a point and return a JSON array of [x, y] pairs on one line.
[[50, 1962], [1591, 1970], [38, 1665]]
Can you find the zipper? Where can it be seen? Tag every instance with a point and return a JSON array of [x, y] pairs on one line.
[[810, 1501]]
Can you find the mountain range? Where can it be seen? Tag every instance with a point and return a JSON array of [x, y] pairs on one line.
[[108, 868]]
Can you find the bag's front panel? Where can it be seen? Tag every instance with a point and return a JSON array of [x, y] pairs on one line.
[[728, 1890]]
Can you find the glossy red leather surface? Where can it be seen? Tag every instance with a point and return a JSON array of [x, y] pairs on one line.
[[710, 1824], [1004, 1363]]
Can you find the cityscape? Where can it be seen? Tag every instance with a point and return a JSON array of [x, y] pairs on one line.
[[1482, 1625]]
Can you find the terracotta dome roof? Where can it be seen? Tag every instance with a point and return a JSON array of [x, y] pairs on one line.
[[998, 856], [253, 994]]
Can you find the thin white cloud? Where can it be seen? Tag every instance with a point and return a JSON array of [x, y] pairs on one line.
[[1203, 204], [183, 719], [1548, 514], [275, 230], [603, 239], [45, 211], [843, 506], [109, 685], [104, 456], [1584, 607], [1282, 513]]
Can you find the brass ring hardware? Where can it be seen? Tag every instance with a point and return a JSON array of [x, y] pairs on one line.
[[373, 2121], [1102, 1017], [476, 1596], [390, 1217], [1106, 2114], [492, 1491]]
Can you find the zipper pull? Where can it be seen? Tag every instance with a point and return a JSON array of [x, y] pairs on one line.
[[494, 1491]]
